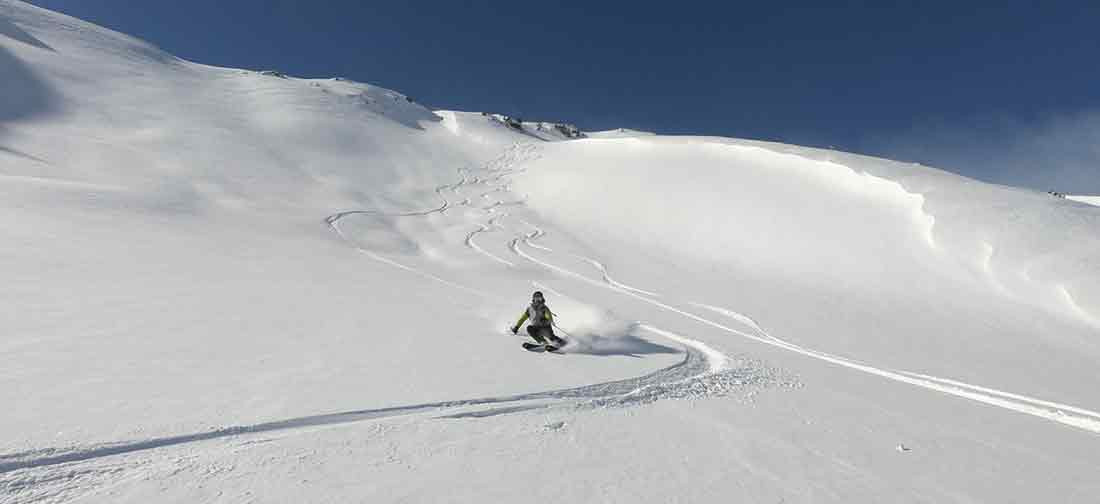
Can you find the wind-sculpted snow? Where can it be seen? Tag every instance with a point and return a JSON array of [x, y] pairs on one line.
[[737, 203], [26, 94], [1026, 245], [1090, 200], [810, 213]]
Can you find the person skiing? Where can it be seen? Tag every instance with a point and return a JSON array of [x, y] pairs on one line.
[[541, 326]]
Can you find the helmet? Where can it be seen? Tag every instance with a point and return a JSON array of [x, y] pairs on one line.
[[537, 298]]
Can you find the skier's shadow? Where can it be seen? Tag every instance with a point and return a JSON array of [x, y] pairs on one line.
[[626, 344], [53, 456]]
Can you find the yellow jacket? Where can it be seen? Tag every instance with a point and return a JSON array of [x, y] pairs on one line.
[[540, 316]]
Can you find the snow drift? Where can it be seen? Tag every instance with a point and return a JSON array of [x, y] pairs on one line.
[[824, 218]]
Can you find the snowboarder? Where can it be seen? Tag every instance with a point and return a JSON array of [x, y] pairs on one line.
[[541, 326]]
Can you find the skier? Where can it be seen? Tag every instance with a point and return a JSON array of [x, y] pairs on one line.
[[541, 326]]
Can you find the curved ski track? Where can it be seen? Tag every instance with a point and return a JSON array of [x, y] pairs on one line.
[[703, 372], [1049, 410]]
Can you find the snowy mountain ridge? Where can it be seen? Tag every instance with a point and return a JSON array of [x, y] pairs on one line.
[[226, 285], [1092, 200]]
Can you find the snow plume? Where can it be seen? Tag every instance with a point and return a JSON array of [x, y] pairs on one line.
[[609, 336], [596, 331], [1057, 152]]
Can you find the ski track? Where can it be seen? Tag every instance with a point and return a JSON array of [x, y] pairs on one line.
[[1062, 413], [539, 233], [55, 473], [473, 245], [1049, 410], [611, 281], [703, 372]]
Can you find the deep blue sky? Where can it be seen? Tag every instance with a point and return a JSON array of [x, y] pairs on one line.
[[953, 84]]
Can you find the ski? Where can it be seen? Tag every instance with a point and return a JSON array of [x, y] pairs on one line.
[[543, 347]]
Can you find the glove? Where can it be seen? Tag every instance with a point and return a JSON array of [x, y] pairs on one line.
[[515, 330]]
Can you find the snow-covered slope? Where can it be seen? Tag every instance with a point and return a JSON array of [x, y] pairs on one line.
[[226, 285], [617, 133], [1092, 200]]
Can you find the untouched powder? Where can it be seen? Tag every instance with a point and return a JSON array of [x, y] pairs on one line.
[[1092, 200], [227, 285]]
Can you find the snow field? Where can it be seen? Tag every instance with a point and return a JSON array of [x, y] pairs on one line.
[[227, 285]]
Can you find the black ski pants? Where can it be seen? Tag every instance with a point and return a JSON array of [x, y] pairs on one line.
[[542, 334]]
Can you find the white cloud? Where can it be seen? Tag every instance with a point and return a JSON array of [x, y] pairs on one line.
[[1054, 152]]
